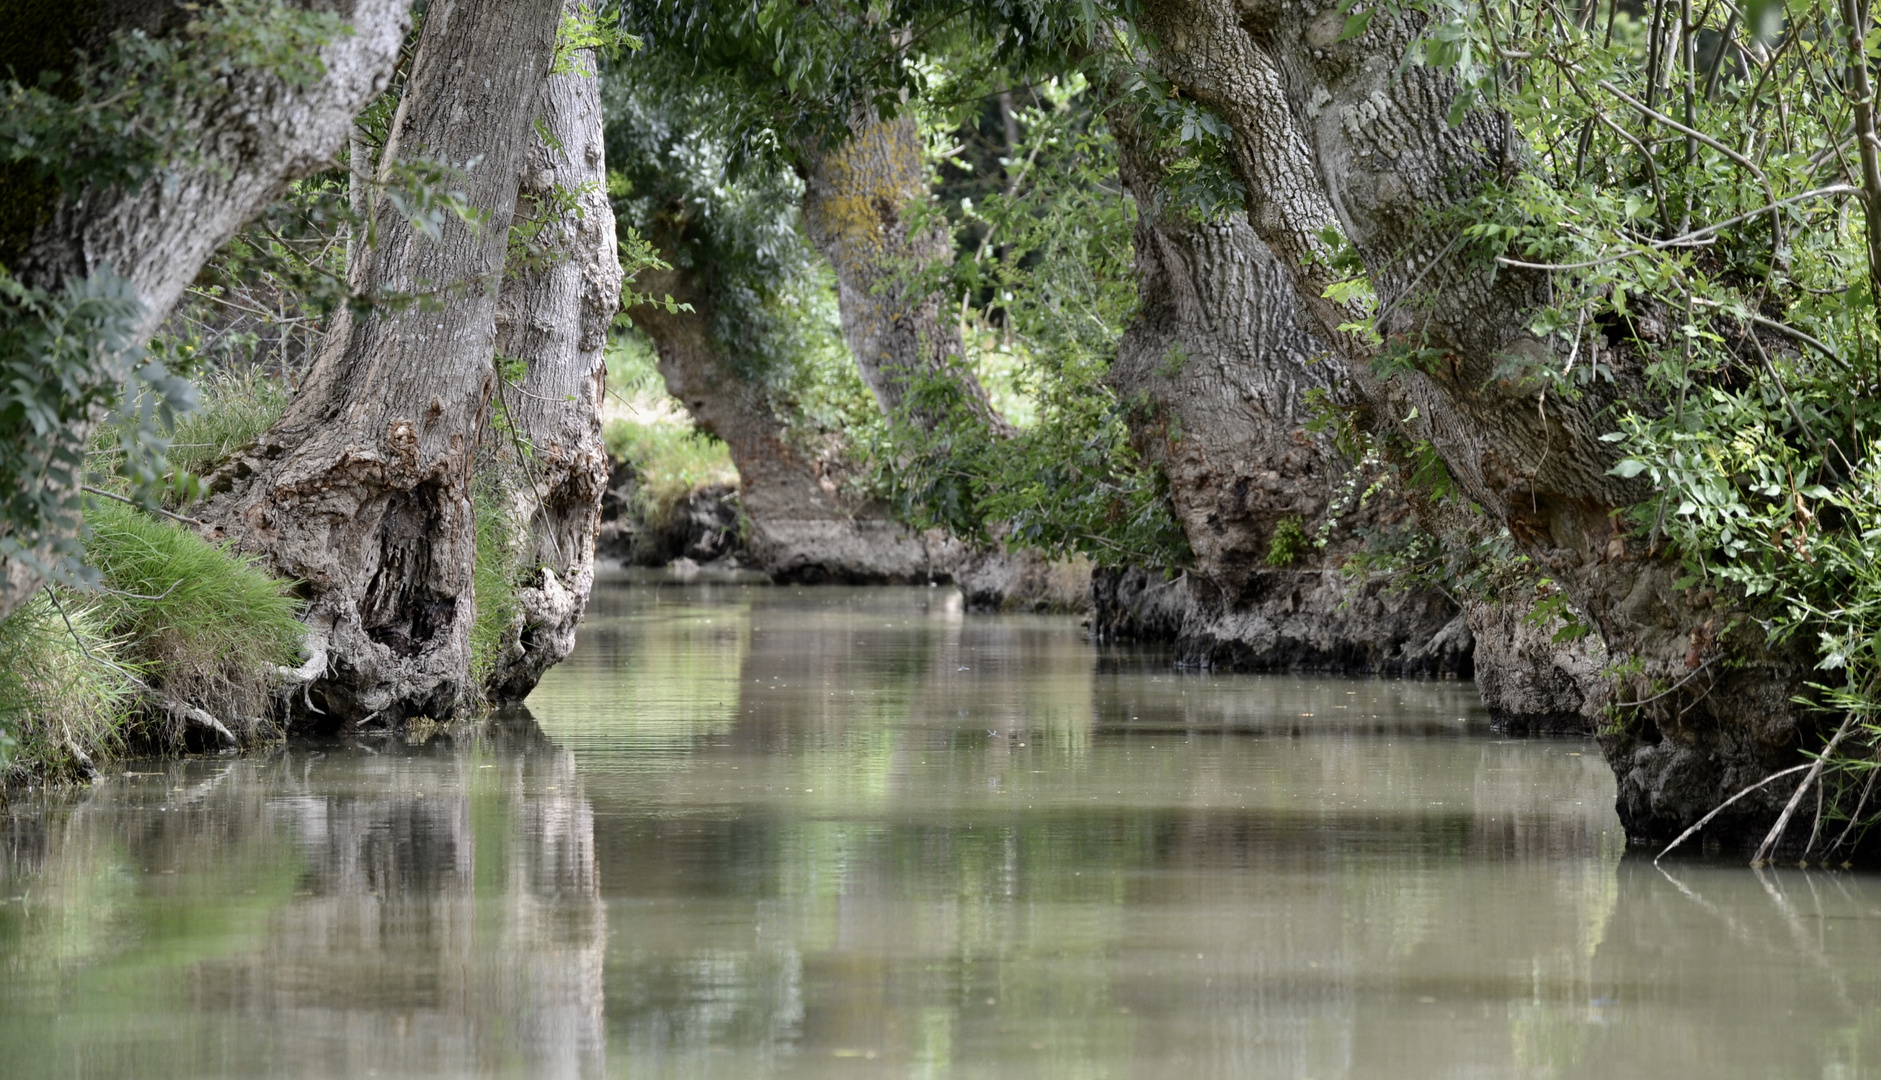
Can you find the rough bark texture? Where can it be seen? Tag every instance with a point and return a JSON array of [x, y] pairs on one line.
[[858, 199], [362, 490], [802, 529], [1336, 133], [1219, 366], [555, 317], [254, 139]]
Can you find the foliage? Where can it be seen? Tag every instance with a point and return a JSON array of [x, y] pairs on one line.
[[670, 462], [1704, 198], [118, 119], [1052, 270], [64, 358]]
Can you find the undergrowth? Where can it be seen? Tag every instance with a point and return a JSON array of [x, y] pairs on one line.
[[236, 408], [671, 462], [84, 675]]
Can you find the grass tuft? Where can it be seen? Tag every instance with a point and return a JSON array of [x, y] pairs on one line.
[[237, 407], [61, 701], [208, 625], [671, 462]]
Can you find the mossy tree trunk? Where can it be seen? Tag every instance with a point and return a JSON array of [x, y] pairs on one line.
[[256, 133], [860, 203], [554, 316], [1221, 370], [1338, 133], [363, 490]]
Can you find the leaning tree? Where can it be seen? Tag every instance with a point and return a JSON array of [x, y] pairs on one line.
[[138, 138], [363, 489]]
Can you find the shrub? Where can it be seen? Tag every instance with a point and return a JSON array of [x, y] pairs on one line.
[[1288, 544]]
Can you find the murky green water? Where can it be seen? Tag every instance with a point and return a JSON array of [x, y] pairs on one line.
[[759, 832]]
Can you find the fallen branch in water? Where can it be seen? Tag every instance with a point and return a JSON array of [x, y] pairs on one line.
[[1706, 820], [1815, 770]]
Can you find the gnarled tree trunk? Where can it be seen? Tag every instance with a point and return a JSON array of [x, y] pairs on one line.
[[1339, 133], [254, 137], [362, 490], [803, 528], [554, 316], [859, 198], [1222, 369]]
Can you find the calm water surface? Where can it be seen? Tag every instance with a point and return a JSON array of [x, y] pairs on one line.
[[751, 832]]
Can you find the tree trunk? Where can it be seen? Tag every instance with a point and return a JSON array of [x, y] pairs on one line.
[[1332, 133], [1223, 369], [859, 200], [255, 138], [803, 529], [555, 317], [362, 490]]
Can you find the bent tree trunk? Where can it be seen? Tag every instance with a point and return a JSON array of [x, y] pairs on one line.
[[802, 528], [253, 134], [1338, 133], [553, 316], [859, 198], [1221, 372], [362, 490]]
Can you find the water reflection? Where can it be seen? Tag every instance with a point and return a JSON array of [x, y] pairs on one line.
[[349, 910], [824, 833]]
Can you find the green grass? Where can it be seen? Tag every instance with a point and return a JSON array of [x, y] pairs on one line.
[[672, 462], [499, 566], [207, 624], [59, 695], [236, 408]]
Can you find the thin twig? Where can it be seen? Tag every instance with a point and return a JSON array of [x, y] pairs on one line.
[[1780, 328], [89, 490], [1706, 820]]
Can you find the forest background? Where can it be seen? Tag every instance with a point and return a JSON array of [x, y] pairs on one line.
[[1561, 315]]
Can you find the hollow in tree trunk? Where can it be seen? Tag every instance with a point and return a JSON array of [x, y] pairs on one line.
[[362, 490]]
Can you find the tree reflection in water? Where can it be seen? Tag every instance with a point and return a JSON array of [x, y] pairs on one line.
[[824, 833]]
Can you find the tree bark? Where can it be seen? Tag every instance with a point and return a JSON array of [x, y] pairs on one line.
[[555, 317], [803, 528], [253, 140], [1331, 133], [1220, 367], [362, 490], [860, 201]]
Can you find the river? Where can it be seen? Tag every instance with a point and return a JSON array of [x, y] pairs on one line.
[[751, 832]]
